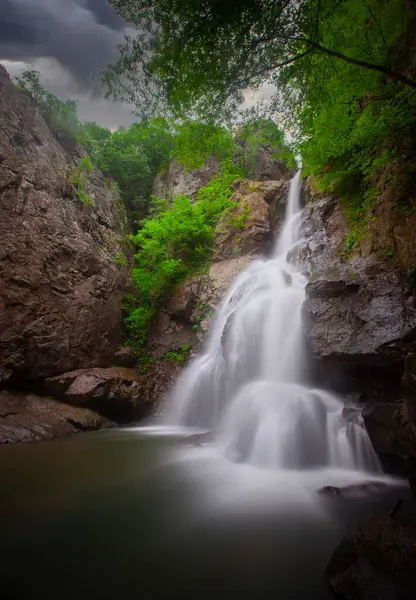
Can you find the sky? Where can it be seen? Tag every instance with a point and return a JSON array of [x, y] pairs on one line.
[[70, 42]]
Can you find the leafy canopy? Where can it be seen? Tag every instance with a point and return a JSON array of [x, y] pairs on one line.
[[202, 54]]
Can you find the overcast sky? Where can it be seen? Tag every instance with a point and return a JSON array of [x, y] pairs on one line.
[[68, 42]]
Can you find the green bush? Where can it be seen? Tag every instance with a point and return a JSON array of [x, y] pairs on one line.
[[78, 177], [175, 243]]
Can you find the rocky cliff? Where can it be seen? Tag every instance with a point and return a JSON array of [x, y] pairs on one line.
[[60, 289], [62, 280], [360, 316], [61, 286]]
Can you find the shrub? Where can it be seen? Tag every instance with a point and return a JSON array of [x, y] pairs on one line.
[[175, 243]]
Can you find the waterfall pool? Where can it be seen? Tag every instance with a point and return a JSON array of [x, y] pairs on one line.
[[140, 513]]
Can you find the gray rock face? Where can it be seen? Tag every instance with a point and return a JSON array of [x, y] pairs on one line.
[[60, 289], [261, 164], [177, 180], [377, 562], [359, 315]]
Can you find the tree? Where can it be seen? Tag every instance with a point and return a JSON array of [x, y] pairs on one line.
[[61, 115], [202, 54]]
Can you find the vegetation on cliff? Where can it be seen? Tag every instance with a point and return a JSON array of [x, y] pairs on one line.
[[346, 87], [170, 239]]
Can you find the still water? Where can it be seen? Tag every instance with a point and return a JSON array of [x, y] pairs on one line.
[[141, 513]]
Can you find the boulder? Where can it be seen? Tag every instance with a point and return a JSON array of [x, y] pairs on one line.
[[125, 357], [113, 392], [30, 418], [377, 562], [60, 288]]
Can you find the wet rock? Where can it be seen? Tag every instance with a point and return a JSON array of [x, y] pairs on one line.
[[60, 289], [409, 375], [403, 432], [200, 439], [170, 334], [376, 562], [379, 422], [114, 392], [125, 357], [358, 323], [30, 418], [185, 299], [350, 490], [330, 490]]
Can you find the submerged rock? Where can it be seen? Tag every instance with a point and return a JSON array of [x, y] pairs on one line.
[[377, 562], [31, 418]]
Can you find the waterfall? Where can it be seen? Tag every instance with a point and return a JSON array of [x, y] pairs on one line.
[[249, 385]]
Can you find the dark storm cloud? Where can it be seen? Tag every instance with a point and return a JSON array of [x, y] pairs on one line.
[[82, 35], [13, 26], [69, 42], [103, 13]]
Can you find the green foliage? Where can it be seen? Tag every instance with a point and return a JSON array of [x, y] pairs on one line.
[[259, 133], [61, 115], [120, 259], [354, 122], [198, 58], [175, 243], [137, 322], [133, 156], [121, 155], [179, 356], [195, 142], [78, 176]]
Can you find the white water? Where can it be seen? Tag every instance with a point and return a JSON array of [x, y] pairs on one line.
[[248, 384]]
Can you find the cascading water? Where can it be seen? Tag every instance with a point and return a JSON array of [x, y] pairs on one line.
[[248, 383]]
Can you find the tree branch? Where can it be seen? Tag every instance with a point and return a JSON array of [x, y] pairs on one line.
[[354, 61], [360, 63], [274, 67]]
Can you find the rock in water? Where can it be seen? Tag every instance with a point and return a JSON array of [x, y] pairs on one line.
[[31, 418], [377, 562], [60, 289]]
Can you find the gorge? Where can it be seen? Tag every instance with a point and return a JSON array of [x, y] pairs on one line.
[[207, 357]]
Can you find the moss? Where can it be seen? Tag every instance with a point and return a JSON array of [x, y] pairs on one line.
[[333, 273]]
